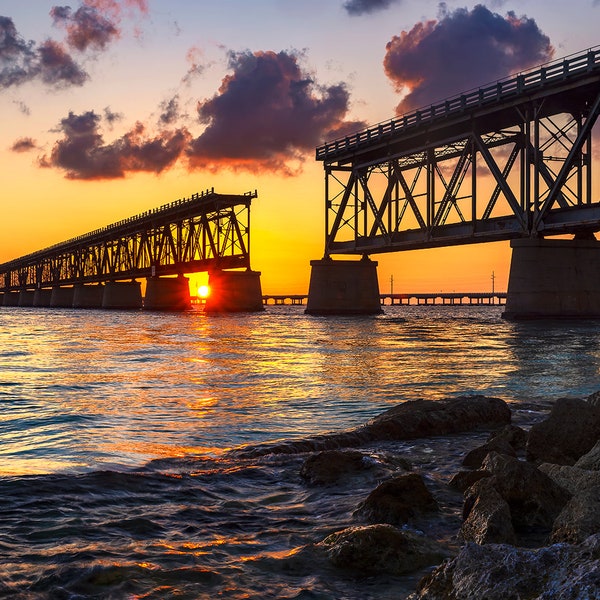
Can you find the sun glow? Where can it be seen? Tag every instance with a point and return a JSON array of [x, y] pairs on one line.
[[203, 291]]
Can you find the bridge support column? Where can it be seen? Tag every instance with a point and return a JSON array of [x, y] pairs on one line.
[[125, 295], [62, 297], [88, 296], [11, 299], [234, 291], [26, 297], [343, 287], [554, 279], [42, 297], [167, 293]]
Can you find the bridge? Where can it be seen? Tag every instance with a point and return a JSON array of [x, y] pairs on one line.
[[205, 232], [511, 160]]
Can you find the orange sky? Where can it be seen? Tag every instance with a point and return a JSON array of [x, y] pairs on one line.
[[151, 72]]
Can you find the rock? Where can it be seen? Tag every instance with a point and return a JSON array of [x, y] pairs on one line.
[[569, 432], [475, 457], [377, 549], [502, 572], [594, 399], [463, 480], [514, 435], [409, 420], [591, 460], [331, 465], [397, 500], [534, 499], [579, 519], [572, 479], [486, 514]]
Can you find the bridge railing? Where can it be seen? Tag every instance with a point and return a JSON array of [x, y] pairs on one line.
[[563, 68]]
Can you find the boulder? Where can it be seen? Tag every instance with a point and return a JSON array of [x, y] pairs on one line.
[[397, 500], [463, 480], [378, 549], [475, 457], [486, 516], [569, 432], [594, 399], [514, 435], [502, 572], [579, 519], [572, 479], [407, 421], [534, 499], [331, 465], [591, 460]]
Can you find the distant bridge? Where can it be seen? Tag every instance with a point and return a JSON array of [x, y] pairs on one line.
[[422, 180], [206, 232]]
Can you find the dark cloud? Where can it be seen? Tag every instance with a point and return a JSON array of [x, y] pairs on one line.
[[111, 117], [57, 67], [169, 111], [23, 145], [196, 67], [86, 27], [461, 50], [22, 61], [82, 153], [267, 113], [360, 7], [17, 57]]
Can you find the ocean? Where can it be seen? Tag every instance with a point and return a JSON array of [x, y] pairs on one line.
[[119, 471]]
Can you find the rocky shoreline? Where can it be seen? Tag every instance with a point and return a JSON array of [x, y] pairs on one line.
[[531, 501]]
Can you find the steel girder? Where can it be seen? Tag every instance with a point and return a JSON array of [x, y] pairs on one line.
[[208, 231], [517, 166]]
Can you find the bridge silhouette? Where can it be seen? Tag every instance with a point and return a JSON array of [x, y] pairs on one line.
[[206, 232], [422, 180]]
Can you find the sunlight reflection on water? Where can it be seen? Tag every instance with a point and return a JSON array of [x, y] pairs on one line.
[[80, 389]]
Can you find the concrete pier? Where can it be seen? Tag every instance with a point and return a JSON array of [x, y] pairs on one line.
[[343, 287], [88, 296], [62, 297], [126, 295], [167, 293], [42, 297], [234, 291], [10, 299], [553, 279], [26, 297]]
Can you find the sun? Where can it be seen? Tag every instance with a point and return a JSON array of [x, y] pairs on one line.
[[203, 291]]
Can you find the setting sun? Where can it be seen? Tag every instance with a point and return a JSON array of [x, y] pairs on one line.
[[203, 291]]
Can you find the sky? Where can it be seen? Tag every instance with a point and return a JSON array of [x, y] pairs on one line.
[[112, 107]]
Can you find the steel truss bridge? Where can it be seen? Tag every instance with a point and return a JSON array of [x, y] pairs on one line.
[[510, 159], [208, 231]]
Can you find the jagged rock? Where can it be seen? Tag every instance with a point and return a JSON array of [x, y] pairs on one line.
[[397, 500], [475, 457], [594, 399], [463, 480], [409, 420], [534, 499], [591, 460], [331, 465], [569, 432], [514, 435], [486, 515], [502, 572], [376, 549], [579, 519], [572, 479]]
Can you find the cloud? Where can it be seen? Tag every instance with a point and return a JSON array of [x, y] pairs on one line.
[[22, 61], [267, 114], [82, 153], [360, 7], [196, 68], [85, 27], [23, 145], [459, 51]]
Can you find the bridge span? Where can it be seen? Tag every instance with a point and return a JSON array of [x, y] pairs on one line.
[[205, 232], [511, 160]]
